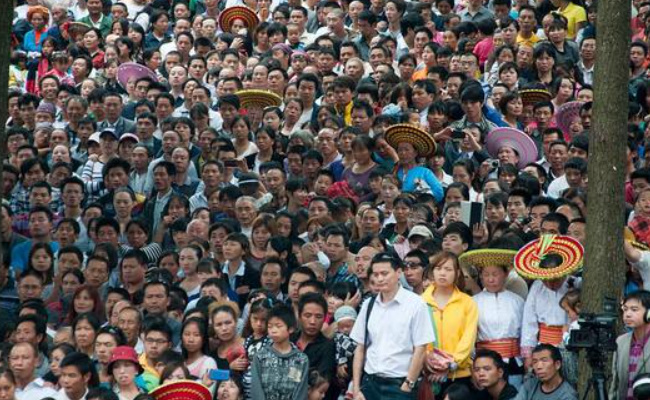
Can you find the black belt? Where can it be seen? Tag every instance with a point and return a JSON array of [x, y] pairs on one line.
[[385, 381]]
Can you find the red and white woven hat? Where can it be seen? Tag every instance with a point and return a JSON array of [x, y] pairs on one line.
[[182, 390], [530, 258]]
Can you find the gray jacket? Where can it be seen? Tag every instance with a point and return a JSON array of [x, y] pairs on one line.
[[620, 366]]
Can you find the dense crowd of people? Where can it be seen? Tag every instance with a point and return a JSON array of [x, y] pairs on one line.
[[318, 199]]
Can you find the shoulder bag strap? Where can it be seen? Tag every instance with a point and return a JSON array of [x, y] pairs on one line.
[[366, 340]]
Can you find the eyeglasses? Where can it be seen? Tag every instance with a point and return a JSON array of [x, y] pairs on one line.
[[412, 264], [156, 341]]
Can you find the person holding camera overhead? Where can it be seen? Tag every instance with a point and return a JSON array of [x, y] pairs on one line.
[[632, 358]]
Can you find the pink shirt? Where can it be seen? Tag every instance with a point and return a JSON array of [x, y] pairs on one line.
[[483, 49]]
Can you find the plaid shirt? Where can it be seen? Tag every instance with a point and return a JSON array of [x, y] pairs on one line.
[[20, 223], [641, 227], [276, 376], [345, 347], [19, 199], [342, 275]]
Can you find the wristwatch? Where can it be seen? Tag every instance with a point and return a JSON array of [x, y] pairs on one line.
[[453, 366], [409, 383]]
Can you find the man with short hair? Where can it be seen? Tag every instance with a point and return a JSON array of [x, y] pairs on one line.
[[272, 276], [77, 374], [457, 238], [23, 359], [275, 184], [32, 170], [312, 309], [96, 272], [32, 329], [363, 116], [475, 12], [30, 285], [415, 263], [527, 23], [130, 321], [336, 249], [146, 124], [41, 221], [246, 212], [389, 366], [489, 374], [163, 177], [157, 339], [326, 144], [211, 176], [184, 182], [547, 366], [114, 120], [132, 271], [540, 207]]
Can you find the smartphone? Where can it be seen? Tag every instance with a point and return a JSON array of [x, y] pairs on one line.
[[525, 220], [458, 134], [230, 163], [472, 213], [219, 374]]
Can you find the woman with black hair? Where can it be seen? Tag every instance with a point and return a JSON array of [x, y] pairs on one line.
[[265, 139], [157, 35], [544, 60], [195, 345], [85, 328]]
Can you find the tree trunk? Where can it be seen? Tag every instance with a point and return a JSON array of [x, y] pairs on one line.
[[604, 262], [6, 21]]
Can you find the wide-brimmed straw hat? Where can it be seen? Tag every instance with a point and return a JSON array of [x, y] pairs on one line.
[[530, 97], [182, 390], [77, 28], [253, 98], [517, 140], [130, 70], [230, 14], [488, 258], [421, 140], [529, 259]]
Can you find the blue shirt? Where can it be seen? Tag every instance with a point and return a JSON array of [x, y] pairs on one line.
[[20, 255], [343, 275], [420, 179]]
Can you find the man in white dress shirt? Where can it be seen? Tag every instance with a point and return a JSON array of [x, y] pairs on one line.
[[23, 359], [390, 357]]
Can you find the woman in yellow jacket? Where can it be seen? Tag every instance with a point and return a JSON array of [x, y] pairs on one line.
[[455, 319]]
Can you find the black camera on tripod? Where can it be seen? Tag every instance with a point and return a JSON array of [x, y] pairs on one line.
[[597, 332], [596, 335]]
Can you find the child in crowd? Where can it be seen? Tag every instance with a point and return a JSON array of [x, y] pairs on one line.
[[318, 386], [640, 224], [255, 334], [336, 295], [280, 371], [345, 318]]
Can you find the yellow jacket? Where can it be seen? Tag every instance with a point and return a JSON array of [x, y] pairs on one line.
[[456, 328]]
